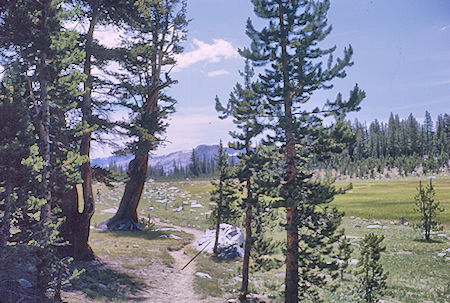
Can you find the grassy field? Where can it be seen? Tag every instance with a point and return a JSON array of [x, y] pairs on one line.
[[390, 199], [416, 272]]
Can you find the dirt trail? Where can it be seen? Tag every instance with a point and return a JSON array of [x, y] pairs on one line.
[[176, 285]]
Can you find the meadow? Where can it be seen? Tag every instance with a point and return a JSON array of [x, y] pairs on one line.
[[417, 270]]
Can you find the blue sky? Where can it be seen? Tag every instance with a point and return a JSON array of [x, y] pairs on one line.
[[401, 56]]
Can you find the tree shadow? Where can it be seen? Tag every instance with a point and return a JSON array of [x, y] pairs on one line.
[[101, 282], [151, 234], [421, 240]]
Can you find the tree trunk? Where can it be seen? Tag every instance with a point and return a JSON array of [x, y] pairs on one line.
[[126, 217], [6, 220], [219, 217], [82, 250], [248, 233], [247, 248], [291, 282]]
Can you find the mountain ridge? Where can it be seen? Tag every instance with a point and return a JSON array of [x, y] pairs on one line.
[[182, 158]]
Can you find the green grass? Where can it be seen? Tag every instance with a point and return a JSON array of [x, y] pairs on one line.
[[416, 273], [392, 199]]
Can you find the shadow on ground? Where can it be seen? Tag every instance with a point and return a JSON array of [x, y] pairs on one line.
[[103, 283]]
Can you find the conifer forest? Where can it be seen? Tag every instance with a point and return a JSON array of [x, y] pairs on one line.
[[292, 181]]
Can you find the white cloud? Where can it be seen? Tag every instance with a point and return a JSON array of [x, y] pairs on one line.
[[446, 27], [219, 72], [204, 52], [190, 127]]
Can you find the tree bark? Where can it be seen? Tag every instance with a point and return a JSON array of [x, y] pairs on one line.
[[248, 233], [291, 279], [219, 217], [6, 220], [247, 248], [82, 250], [126, 217]]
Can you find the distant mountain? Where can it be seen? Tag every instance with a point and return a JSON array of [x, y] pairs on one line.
[[181, 158]]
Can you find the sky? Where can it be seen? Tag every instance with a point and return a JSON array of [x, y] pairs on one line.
[[401, 60]]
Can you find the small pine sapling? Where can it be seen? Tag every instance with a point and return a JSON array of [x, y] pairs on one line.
[[371, 277], [343, 255], [224, 194], [428, 208]]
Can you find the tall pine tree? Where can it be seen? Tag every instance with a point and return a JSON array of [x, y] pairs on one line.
[[288, 49]]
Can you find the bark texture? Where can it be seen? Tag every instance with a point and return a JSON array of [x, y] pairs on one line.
[[126, 217], [291, 295]]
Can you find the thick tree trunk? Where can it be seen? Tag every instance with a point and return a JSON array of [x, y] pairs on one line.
[[82, 250], [291, 282], [126, 217]]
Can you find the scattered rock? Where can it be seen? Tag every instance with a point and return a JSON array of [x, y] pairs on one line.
[[405, 224], [392, 223], [442, 235], [109, 211], [448, 250], [136, 246], [377, 222], [356, 225], [385, 227], [374, 226], [193, 202], [351, 237], [442, 254], [353, 261], [165, 229], [151, 208], [232, 301], [178, 209], [25, 283], [185, 203], [196, 205], [162, 201], [352, 217], [174, 237], [163, 236], [231, 240], [203, 275]]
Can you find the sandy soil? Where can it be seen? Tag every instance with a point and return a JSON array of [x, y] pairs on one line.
[[162, 284]]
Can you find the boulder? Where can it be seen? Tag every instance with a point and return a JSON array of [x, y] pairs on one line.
[[231, 241], [203, 275]]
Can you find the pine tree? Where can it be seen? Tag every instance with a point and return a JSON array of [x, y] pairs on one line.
[[224, 195], [428, 208], [372, 279], [288, 49], [245, 106], [44, 54], [155, 33]]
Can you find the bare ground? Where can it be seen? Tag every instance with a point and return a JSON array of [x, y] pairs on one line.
[[162, 284]]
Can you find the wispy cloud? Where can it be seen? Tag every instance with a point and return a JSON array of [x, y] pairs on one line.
[[219, 72], [190, 127], [446, 27], [211, 53]]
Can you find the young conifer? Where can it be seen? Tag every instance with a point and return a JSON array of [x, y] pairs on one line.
[[224, 195], [245, 106], [371, 277], [428, 208]]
